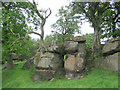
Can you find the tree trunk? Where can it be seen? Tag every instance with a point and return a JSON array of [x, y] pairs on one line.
[[96, 44], [9, 64], [42, 47]]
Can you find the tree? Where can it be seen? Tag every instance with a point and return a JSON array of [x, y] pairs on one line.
[[66, 25], [14, 29], [93, 12], [39, 18], [89, 39], [110, 25]]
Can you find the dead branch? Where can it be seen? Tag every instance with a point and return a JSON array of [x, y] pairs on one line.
[[49, 13]]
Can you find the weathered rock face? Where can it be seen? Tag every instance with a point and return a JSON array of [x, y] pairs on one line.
[[111, 47], [111, 62], [47, 65], [57, 49], [50, 61], [75, 49], [80, 60], [111, 53], [70, 63], [71, 46]]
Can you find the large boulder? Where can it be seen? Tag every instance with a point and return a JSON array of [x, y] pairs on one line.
[[48, 65], [75, 49], [111, 62], [74, 65], [80, 62], [71, 46], [70, 63], [111, 47], [58, 48], [111, 54], [49, 60]]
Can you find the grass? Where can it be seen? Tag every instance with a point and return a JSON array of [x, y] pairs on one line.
[[18, 78]]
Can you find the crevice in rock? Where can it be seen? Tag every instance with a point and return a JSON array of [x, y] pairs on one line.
[[111, 52]]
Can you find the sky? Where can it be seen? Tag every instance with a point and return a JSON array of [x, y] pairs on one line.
[[55, 5]]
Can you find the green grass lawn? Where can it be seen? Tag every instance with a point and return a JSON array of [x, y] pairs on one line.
[[18, 78]]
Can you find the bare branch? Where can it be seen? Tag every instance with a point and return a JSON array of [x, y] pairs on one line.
[[24, 38], [49, 13], [30, 33], [34, 33]]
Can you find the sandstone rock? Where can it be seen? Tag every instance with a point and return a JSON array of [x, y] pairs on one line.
[[76, 39], [81, 48], [70, 63], [51, 61], [57, 49], [71, 46], [75, 63], [111, 62], [80, 60], [111, 47]]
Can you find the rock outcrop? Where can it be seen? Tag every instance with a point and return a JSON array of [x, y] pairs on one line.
[[111, 53], [74, 63], [50, 63]]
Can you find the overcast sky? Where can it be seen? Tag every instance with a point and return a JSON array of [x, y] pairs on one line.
[[55, 5]]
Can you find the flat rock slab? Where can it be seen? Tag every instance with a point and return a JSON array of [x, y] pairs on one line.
[[111, 47], [79, 39]]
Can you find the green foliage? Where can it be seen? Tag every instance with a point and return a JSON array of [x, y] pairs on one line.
[[110, 26], [14, 29], [48, 40], [89, 39], [18, 78], [61, 37], [66, 25], [56, 36]]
